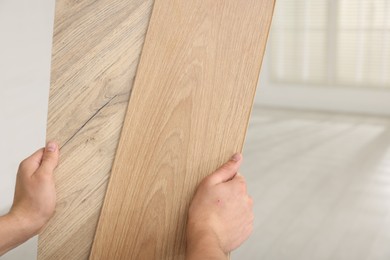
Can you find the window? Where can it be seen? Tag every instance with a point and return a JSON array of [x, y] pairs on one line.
[[331, 42]]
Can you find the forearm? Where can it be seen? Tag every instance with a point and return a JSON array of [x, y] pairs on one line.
[[13, 232]]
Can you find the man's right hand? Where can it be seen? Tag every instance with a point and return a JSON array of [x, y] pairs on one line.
[[221, 216]]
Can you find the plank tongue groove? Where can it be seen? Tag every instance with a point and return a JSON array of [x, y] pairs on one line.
[[188, 113]]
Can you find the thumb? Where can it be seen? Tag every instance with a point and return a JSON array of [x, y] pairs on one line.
[[50, 157], [227, 171]]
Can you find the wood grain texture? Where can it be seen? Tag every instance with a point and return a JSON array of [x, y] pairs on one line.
[[188, 113], [96, 49]]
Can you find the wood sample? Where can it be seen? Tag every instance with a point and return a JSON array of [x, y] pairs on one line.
[[188, 113], [96, 49]]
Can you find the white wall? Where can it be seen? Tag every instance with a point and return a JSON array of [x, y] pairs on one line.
[[25, 51], [326, 98]]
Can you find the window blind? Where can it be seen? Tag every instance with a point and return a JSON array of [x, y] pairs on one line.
[[331, 42]]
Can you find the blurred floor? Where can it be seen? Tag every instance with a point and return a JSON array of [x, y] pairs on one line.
[[321, 185]]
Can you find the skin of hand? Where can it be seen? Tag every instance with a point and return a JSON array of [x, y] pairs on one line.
[[34, 199], [220, 216]]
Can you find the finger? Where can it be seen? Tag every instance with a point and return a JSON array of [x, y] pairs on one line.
[[250, 201], [239, 178], [49, 158], [227, 171], [238, 183], [31, 163]]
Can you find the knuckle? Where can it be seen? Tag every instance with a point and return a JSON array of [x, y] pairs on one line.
[[241, 177], [241, 180], [207, 180], [250, 201], [250, 225], [252, 218], [243, 186], [251, 229], [47, 158], [23, 165], [240, 188]]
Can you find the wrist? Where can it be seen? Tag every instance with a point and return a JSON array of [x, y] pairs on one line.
[[28, 225], [14, 231], [202, 241]]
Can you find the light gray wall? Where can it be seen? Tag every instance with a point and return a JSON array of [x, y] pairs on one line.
[[348, 99], [25, 51]]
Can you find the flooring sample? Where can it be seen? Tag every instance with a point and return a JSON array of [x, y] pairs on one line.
[[188, 113], [96, 49]]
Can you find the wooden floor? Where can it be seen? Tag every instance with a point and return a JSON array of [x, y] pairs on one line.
[[321, 184]]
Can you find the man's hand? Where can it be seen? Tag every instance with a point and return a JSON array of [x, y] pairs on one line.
[[34, 200], [221, 216]]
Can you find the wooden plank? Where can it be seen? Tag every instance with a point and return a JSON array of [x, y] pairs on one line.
[[96, 49], [188, 113]]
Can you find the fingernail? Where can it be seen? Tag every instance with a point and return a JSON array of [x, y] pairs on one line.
[[236, 157], [51, 146]]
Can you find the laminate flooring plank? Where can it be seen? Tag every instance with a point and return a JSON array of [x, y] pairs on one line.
[[96, 50], [188, 113]]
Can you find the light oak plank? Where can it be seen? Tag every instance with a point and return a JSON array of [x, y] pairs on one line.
[[96, 49], [188, 113]]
